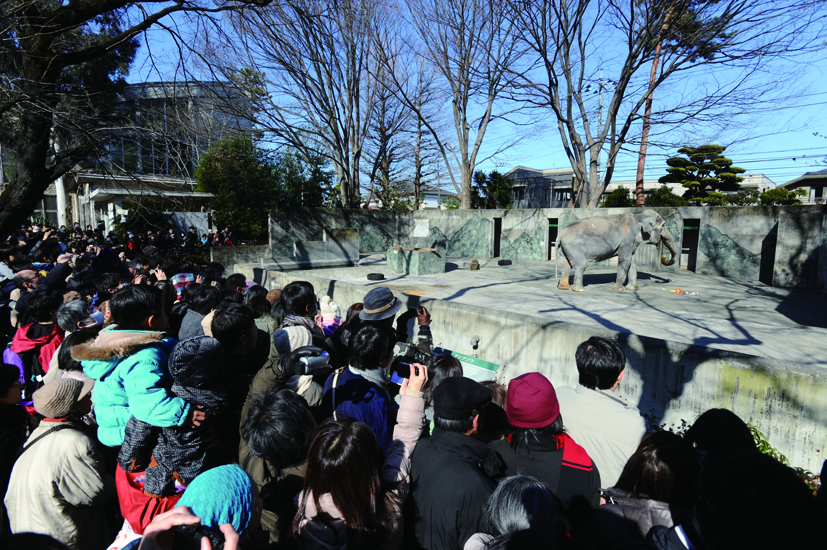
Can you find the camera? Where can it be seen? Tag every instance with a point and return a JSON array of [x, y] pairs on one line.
[[313, 364]]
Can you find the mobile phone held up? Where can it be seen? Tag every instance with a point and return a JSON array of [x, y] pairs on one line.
[[401, 371]]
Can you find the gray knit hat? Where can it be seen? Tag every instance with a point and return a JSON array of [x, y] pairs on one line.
[[291, 338], [56, 399]]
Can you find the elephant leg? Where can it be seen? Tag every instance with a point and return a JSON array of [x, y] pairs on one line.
[[622, 271], [578, 277], [564, 279], [631, 283]]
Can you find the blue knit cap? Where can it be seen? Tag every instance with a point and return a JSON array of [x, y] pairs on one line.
[[221, 495]]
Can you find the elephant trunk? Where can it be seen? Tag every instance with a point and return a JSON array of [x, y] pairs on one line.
[[667, 239]]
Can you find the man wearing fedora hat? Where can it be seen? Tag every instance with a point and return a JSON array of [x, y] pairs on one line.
[[381, 308], [58, 484], [452, 472]]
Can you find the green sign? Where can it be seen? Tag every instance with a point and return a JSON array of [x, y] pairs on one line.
[[472, 367]]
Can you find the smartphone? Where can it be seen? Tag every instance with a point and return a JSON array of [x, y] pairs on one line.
[[402, 370]]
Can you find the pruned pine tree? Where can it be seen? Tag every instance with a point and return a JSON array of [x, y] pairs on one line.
[[705, 173]]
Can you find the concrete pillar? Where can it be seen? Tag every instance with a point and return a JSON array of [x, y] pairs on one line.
[[110, 216], [60, 193]]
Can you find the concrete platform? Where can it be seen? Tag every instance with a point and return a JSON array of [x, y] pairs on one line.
[[740, 345], [727, 314]]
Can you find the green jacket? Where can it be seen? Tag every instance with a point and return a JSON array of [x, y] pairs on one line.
[[131, 378]]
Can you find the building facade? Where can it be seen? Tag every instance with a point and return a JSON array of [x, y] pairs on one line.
[[150, 161]]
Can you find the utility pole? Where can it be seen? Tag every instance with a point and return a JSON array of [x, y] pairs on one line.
[[640, 199], [599, 117]]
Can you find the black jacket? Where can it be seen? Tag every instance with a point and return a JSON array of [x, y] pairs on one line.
[[563, 465], [451, 479]]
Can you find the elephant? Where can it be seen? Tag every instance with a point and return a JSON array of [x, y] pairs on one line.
[[602, 237]]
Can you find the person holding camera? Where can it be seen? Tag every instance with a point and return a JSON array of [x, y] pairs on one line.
[[353, 491], [360, 391]]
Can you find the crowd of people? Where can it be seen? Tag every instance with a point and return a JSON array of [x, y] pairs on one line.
[[147, 403], [30, 238]]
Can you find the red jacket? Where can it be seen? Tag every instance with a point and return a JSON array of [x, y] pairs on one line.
[[48, 344]]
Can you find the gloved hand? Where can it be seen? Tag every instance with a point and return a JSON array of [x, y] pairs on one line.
[[290, 364]]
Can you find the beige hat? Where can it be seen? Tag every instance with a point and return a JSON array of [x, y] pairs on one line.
[[56, 399]]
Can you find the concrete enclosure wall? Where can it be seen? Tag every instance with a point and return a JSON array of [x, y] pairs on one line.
[[780, 246]]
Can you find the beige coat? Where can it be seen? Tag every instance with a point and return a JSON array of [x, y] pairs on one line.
[[58, 488], [609, 428]]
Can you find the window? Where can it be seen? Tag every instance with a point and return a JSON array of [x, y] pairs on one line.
[[518, 193]]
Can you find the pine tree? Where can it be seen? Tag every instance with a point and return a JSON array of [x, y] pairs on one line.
[[705, 173]]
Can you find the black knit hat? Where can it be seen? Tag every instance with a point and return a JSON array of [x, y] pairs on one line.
[[459, 398]]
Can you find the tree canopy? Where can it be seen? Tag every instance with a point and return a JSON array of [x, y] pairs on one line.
[[491, 190], [704, 172], [249, 181]]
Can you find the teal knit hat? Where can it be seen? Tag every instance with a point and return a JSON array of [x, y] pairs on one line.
[[221, 495]]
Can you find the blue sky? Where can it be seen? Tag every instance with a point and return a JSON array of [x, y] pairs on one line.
[[782, 139]]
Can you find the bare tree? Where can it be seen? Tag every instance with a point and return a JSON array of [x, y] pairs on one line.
[[385, 145], [471, 46], [571, 40], [63, 64], [310, 78]]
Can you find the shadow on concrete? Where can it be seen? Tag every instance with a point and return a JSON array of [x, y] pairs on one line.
[[610, 278]]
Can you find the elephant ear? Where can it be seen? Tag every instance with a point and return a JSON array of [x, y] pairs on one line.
[[648, 223]]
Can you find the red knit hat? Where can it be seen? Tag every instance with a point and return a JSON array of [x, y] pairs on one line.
[[532, 402]]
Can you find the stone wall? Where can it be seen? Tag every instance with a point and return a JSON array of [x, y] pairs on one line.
[[780, 246], [229, 256]]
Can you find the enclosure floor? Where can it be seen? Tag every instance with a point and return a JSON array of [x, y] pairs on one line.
[[728, 314]]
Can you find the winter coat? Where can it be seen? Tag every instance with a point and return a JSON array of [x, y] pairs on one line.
[[559, 462], [282, 484], [58, 487], [609, 428], [55, 280], [452, 476], [323, 527], [176, 454], [35, 356], [191, 325], [625, 517], [130, 370], [362, 400]]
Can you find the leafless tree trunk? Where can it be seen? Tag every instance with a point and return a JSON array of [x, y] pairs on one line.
[[312, 80], [471, 45], [568, 40]]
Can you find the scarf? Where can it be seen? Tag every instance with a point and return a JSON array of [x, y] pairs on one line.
[[377, 376], [296, 321]]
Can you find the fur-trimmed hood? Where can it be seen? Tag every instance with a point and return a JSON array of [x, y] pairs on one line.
[[112, 345]]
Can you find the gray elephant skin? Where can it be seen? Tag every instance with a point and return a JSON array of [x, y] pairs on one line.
[[602, 237]]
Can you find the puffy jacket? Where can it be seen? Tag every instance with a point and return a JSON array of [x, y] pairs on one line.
[[625, 517], [362, 400], [452, 478], [191, 325], [58, 486], [324, 528], [130, 370]]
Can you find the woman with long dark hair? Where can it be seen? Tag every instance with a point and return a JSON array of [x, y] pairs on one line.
[[657, 487], [353, 494]]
